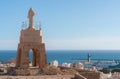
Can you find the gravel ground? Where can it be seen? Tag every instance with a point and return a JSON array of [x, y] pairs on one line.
[[38, 77]]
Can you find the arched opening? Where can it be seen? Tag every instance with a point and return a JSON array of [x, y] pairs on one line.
[[33, 58], [30, 58]]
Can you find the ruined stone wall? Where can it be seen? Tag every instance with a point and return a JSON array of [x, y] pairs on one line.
[[90, 74]]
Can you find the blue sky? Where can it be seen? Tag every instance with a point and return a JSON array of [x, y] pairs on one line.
[[66, 24]]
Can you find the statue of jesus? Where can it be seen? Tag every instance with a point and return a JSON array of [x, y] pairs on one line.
[[30, 16]]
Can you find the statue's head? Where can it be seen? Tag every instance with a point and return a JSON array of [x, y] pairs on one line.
[[31, 13]]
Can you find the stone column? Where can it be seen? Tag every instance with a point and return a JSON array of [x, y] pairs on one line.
[[24, 59], [18, 57], [38, 58], [34, 58]]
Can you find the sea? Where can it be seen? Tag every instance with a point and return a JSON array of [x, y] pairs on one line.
[[68, 56]]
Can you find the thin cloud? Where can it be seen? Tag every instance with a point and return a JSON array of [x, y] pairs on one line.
[[8, 44], [85, 44]]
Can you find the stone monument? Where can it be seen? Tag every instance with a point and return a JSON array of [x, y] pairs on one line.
[[31, 39]]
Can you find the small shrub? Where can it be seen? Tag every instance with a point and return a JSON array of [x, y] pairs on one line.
[[105, 70], [115, 70]]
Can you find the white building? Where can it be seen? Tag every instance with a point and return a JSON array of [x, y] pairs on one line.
[[54, 63], [11, 64], [66, 64], [77, 65]]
